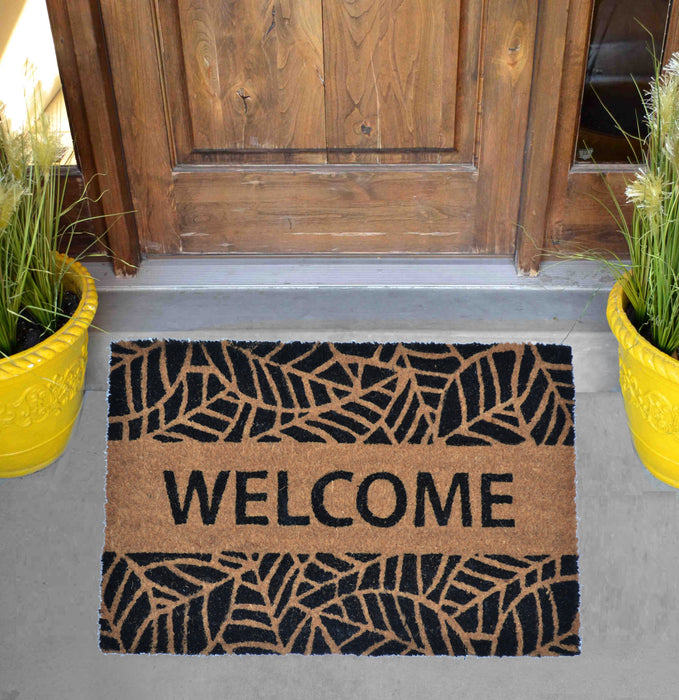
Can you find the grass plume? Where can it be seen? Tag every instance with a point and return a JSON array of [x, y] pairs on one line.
[[35, 222]]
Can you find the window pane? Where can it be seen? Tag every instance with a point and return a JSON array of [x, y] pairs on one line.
[[620, 54], [28, 63]]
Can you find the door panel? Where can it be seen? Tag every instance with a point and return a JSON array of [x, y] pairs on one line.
[[323, 126], [391, 80], [332, 211], [254, 74]]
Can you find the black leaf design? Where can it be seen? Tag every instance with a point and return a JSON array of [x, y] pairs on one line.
[[323, 392], [284, 603]]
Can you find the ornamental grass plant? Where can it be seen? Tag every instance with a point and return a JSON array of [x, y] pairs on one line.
[[651, 279], [35, 222]]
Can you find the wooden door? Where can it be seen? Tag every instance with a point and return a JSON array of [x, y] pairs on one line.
[[323, 126]]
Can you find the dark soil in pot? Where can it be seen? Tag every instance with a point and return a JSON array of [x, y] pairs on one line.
[[30, 333], [643, 330]]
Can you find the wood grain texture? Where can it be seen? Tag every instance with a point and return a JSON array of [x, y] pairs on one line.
[[131, 37], [495, 83], [540, 147], [568, 121], [507, 74], [83, 65], [391, 78], [468, 90], [271, 210], [587, 225], [462, 45], [449, 74], [254, 73], [577, 219], [327, 210]]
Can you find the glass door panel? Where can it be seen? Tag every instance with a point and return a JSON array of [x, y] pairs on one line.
[[626, 38]]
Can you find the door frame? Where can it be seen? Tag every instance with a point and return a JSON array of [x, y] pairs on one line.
[[82, 57], [561, 208]]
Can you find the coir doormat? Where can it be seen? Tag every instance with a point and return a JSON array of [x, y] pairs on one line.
[[348, 498]]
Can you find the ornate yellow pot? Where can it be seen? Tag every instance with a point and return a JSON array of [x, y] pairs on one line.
[[41, 389], [649, 380]]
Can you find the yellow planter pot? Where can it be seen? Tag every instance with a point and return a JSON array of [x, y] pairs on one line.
[[649, 380], [41, 389]]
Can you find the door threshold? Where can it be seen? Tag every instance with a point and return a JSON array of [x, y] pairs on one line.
[[312, 272]]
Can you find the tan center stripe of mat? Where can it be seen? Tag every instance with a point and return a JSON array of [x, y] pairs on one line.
[[516, 502]]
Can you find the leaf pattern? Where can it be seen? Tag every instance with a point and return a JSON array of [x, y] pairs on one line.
[[368, 393], [365, 604]]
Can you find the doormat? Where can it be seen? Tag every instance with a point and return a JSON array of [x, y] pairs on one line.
[[340, 498]]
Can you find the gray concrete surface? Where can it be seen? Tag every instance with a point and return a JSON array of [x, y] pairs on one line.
[[52, 537], [52, 522], [453, 315]]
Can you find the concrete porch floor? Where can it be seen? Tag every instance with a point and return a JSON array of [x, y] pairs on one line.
[[52, 521]]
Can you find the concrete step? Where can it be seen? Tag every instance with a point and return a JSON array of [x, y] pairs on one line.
[[441, 301]]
